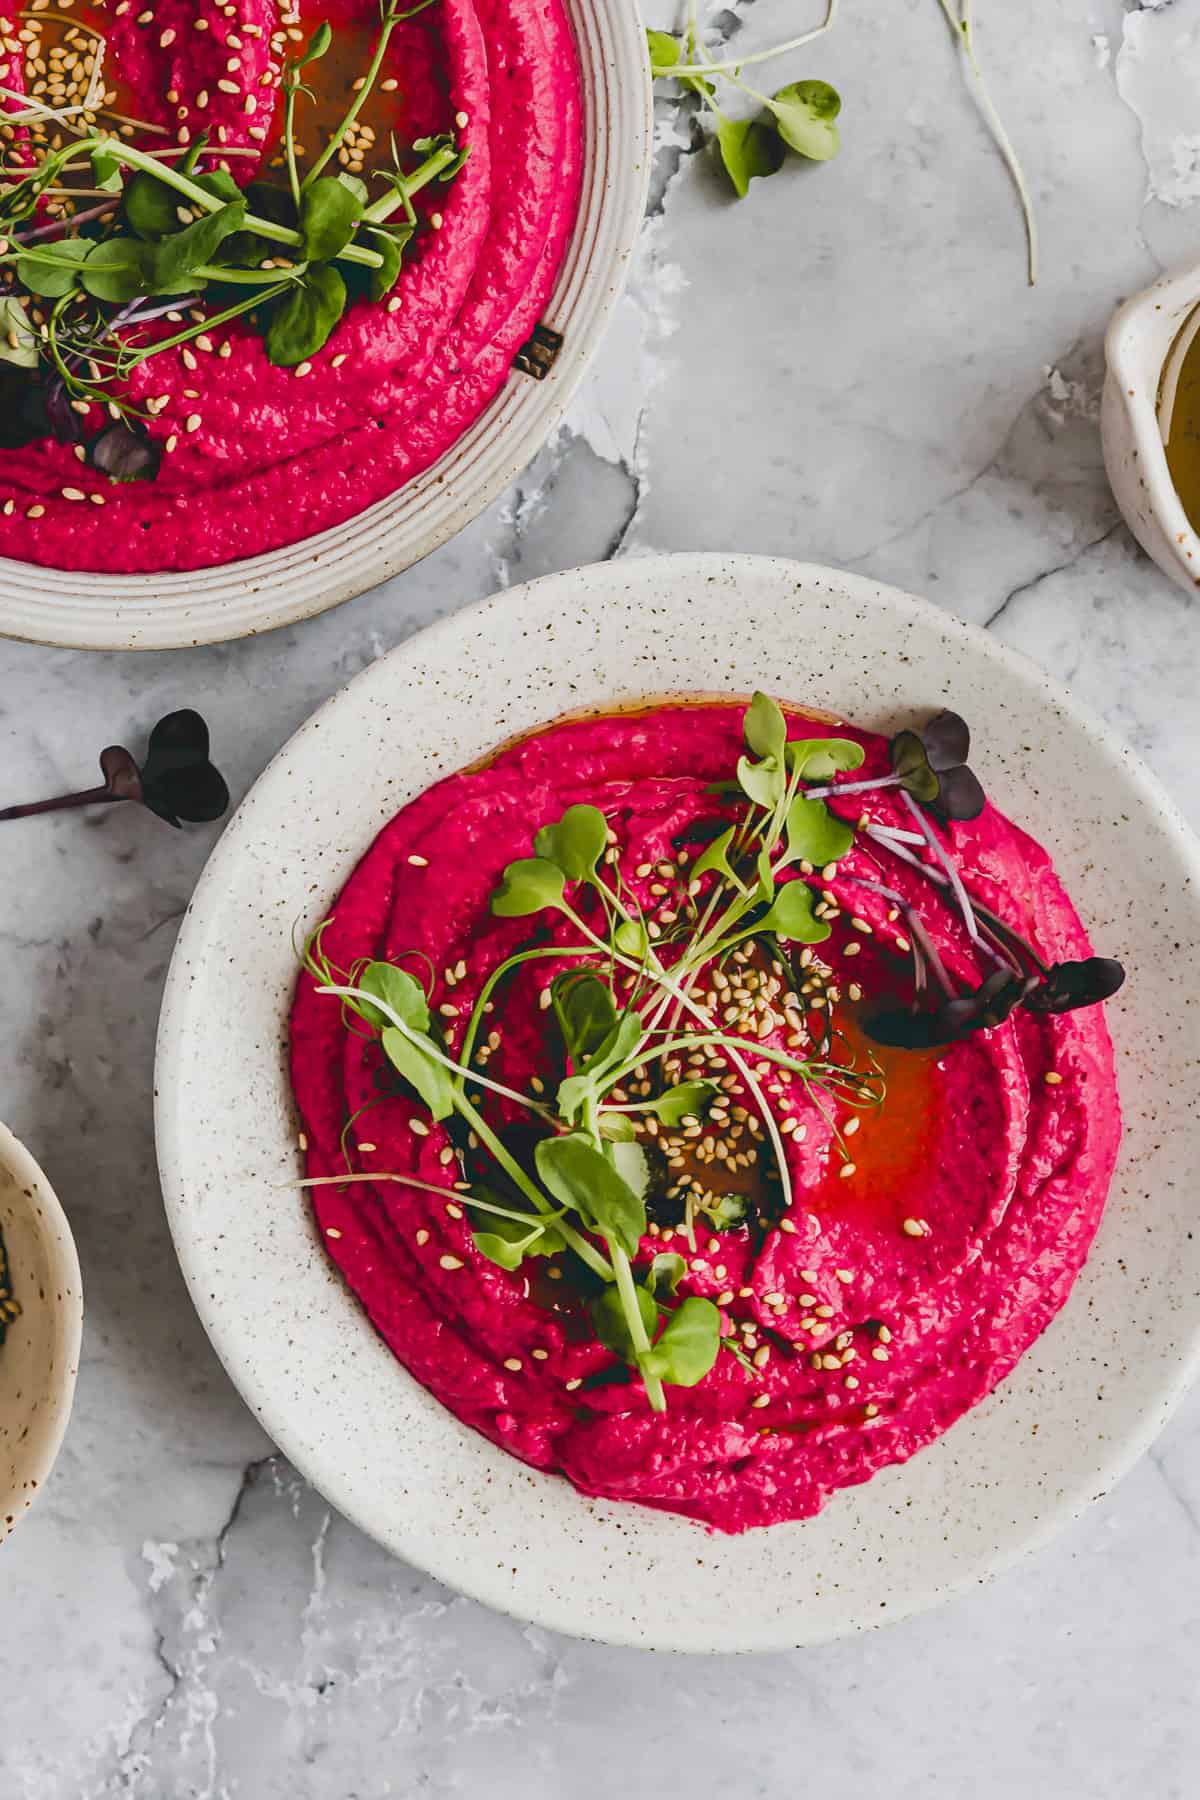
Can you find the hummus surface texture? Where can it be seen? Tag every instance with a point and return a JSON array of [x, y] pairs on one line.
[[255, 456], [891, 1299]]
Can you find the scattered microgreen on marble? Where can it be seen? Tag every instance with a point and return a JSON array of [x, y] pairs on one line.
[[801, 117], [176, 781]]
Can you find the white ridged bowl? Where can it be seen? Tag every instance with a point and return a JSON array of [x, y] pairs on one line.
[[40, 1354], [203, 606]]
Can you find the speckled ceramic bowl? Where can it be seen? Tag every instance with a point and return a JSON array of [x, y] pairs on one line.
[[1083, 1402], [202, 606], [40, 1354]]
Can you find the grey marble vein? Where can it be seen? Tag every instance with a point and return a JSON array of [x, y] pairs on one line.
[[846, 367]]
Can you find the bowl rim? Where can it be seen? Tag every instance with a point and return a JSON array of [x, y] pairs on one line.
[[1105, 1466], [55, 1232], [1138, 400], [182, 609]]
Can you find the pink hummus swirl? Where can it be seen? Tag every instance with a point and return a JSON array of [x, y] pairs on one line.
[[890, 1299], [256, 457]]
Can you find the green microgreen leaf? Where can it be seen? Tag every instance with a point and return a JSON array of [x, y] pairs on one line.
[[316, 47], [620, 1044], [580, 1176], [748, 148], [506, 1239], [305, 316], [52, 270], [18, 339], [616, 1127], [430, 1078], [665, 51], [329, 213], [804, 114], [398, 990], [586, 1013], [689, 1099], [765, 728], [689, 1345], [814, 834], [632, 939], [576, 843], [632, 1165], [820, 759], [527, 886], [791, 916], [666, 1272], [911, 763], [115, 269], [612, 1327], [170, 264], [716, 859], [762, 782]]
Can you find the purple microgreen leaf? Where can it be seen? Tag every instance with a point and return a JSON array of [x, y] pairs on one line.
[[947, 741], [960, 794], [1069, 985]]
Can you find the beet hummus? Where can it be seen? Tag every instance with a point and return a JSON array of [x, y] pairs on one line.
[[249, 455], [863, 1197]]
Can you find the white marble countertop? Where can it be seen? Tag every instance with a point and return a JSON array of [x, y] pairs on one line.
[[845, 367]]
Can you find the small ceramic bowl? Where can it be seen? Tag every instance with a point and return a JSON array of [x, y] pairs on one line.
[[40, 1353], [1138, 348]]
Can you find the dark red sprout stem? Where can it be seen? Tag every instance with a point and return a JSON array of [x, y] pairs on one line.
[[97, 796]]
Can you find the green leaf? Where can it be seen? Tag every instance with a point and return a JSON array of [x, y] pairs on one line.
[[792, 916], [220, 184], [115, 269], [390, 245], [804, 114], [580, 1176], [430, 1078], [762, 782], [689, 1345], [264, 200], [52, 270], [716, 858], [316, 47], [747, 148], [398, 990], [621, 1043], [329, 213], [616, 1127], [612, 1327], [911, 763], [14, 323], [725, 1211], [690, 1099], [765, 728], [527, 886], [631, 939], [508, 1241], [814, 834], [576, 843], [820, 759], [632, 1165], [169, 264], [665, 50], [666, 1272], [305, 316], [107, 171], [586, 1013], [149, 207], [356, 185]]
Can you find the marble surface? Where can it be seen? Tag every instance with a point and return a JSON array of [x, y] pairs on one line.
[[845, 367]]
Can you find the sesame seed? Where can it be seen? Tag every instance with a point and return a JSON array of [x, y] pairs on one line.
[[915, 1228], [831, 1362], [539, 1355], [787, 1225], [422, 1236], [774, 1299], [845, 1275], [419, 862], [880, 1354], [576, 1382], [872, 1411], [851, 1126], [762, 1356], [166, 38], [847, 1170], [450, 1262], [1052, 1078], [73, 493], [511, 1362], [192, 422], [446, 1156], [851, 1381], [852, 949], [332, 1231], [395, 303], [824, 1312], [419, 1126], [761, 1400]]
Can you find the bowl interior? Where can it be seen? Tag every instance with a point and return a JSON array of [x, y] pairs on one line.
[[210, 605], [40, 1353], [1081, 1404]]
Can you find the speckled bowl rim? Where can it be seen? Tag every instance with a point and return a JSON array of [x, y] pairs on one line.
[[55, 1233], [84, 610], [579, 613]]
